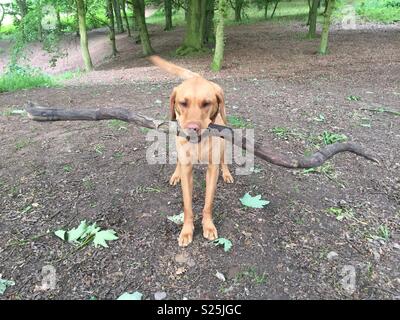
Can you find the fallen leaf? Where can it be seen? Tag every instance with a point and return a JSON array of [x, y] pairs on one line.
[[4, 284], [225, 242], [253, 202], [101, 237], [131, 296], [178, 218]]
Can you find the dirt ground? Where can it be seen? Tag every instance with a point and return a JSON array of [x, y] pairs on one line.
[[292, 249]]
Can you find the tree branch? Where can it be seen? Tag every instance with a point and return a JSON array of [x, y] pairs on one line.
[[52, 114]]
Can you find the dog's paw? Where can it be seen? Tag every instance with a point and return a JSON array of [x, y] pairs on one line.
[[209, 230], [226, 175], [175, 179], [186, 236]]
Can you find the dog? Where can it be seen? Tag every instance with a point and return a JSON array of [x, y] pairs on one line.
[[194, 104]]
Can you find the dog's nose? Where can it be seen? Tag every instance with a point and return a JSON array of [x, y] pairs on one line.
[[193, 126]]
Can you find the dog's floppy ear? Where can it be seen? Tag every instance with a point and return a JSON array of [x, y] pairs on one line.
[[172, 114], [221, 102]]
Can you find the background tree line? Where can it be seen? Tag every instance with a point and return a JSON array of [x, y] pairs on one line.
[[46, 20]]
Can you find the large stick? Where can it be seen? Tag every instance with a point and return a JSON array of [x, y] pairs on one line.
[[52, 114]]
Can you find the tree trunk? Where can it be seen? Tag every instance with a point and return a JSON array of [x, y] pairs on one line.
[[144, 35], [123, 6], [219, 36], [312, 19], [266, 9], [326, 6], [23, 8], [118, 18], [110, 16], [209, 28], [168, 14], [59, 24], [323, 49], [194, 36], [238, 10], [83, 35], [276, 5]]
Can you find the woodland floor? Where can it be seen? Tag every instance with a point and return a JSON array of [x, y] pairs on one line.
[[72, 171]]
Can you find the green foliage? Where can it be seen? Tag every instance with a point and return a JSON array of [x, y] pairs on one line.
[[253, 202], [131, 296], [341, 213], [178, 218], [4, 284], [387, 11], [330, 137], [238, 122], [223, 242], [18, 77], [85, 234]]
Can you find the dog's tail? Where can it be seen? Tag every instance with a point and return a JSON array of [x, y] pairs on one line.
[[172, 68]]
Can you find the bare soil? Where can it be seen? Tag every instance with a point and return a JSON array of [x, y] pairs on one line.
[[272, 78]]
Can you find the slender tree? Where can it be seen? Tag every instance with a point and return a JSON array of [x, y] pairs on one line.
[[219, 36], [276, 5], [139, 8], [323, 49], [168, 14], [118, 17], [123, 7], [209, 27], [312, 19], [83, 35], [110, 16]]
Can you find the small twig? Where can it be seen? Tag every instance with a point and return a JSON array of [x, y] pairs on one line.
[[381, 110]]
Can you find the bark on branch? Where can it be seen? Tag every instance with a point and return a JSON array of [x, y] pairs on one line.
[[55, 114]]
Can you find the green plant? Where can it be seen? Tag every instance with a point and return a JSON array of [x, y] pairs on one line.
[[22, 144], [341, 213], [116, 124], [67, 168], [383, 232], [17, 77], [238, 122], [330, 137], [85, 234]]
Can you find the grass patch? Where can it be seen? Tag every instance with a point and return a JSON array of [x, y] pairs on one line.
[[239, 122], [19, 78], [386, 11], [116, 124]]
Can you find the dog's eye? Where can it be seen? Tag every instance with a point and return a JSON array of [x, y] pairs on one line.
[[183, 104], [205, 104]]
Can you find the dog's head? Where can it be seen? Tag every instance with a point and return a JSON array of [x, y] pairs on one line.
[[196, 103]]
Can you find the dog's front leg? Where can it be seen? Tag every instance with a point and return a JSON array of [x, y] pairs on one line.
[[186, 236], [209, 230]]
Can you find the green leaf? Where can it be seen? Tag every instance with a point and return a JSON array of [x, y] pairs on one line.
[[224, 242], [76, 233], [253, 202], [61, 234], [92, 229], [101, 237], [178, 218], [4, 284], [131, 296]]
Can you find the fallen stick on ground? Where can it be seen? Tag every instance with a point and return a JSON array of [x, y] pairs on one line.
[[383, 110], [318, 158]]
